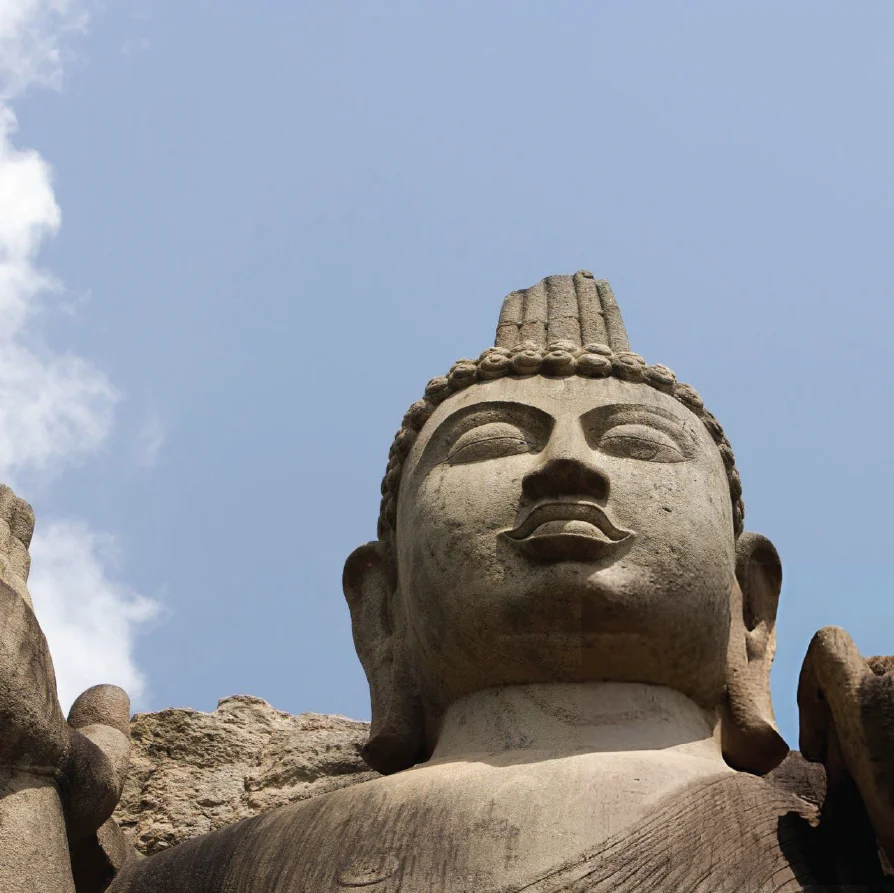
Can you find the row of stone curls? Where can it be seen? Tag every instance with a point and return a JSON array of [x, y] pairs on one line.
[[560, 358]]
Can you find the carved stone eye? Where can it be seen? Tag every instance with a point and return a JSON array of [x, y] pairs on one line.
[[493, 440], [637, 441]]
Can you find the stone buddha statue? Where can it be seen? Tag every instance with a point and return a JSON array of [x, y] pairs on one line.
[[567, 635]]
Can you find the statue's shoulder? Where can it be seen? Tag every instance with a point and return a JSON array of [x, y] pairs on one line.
[[737, 832], [287, 848]]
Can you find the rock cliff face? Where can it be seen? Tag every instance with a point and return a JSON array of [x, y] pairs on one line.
[[193, 772]]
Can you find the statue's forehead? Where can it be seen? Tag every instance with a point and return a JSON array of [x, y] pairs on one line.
[[558, 397]]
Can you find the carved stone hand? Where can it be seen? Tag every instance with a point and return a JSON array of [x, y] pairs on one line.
[[33, 733], [847, 723], [86, 756]]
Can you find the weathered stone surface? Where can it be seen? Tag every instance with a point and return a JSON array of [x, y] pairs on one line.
[[193, 772], [568, 637]]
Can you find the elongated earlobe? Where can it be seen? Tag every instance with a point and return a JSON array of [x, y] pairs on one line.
[[751, 740], [397, 733]]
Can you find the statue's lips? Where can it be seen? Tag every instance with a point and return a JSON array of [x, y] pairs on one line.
[[553, 517], [568, 530]]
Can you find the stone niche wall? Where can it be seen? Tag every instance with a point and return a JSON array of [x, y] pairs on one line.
[[193, 772]]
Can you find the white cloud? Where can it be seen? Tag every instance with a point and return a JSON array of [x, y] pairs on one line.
[[150, 439], [90, 618], [31, 37], [55, 408]]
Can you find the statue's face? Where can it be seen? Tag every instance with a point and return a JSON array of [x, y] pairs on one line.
[[565, 529]]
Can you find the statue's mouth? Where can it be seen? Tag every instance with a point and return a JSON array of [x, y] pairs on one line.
[[568, 530]]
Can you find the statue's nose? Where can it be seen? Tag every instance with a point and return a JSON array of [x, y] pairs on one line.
[[569, 467]]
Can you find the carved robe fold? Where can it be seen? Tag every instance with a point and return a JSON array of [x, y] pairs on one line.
[[738, 833]]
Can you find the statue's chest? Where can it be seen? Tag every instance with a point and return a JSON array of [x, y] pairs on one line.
[[470, 828], [729, 834], [463, 827], [733, 833]]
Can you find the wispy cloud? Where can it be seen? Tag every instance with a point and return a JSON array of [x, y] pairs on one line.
[[32, 33], [55, 408], [89, 615], [150, 440]]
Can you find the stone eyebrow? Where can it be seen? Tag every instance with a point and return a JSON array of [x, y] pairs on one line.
[[608, 410], [513, 406]]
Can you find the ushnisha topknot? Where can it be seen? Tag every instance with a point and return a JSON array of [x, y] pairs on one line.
[[563, 325], [576, 309]]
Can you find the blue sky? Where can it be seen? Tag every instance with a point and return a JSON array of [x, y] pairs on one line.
[[280, 219]]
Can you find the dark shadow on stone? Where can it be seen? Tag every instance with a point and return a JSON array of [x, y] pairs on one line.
[[797, 776], [801, 844], [825, 863]]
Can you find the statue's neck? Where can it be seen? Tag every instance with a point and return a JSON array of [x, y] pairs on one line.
[[557, 768], [548, 721]]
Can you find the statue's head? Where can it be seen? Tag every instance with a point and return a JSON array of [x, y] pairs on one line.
[[559, 511]]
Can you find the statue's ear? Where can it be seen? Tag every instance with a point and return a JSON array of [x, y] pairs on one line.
[[751, 740], [397, 733]]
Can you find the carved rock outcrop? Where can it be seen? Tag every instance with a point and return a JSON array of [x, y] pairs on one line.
[[193, 772]]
